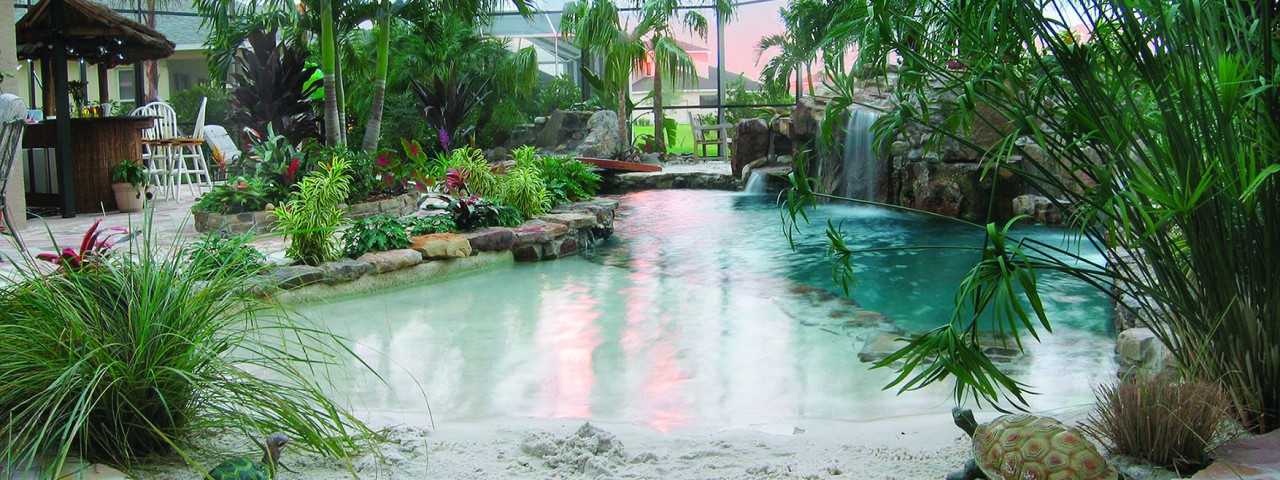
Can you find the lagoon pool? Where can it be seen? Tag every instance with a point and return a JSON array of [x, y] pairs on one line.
[[695, 314]]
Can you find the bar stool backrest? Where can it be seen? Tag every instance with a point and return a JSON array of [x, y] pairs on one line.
[[13, 113], [166, 122]]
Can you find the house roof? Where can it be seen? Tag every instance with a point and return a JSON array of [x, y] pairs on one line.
[[708, 82], [94, 33]]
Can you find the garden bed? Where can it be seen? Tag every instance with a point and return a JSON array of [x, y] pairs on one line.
[[564, 231], [263, 221]]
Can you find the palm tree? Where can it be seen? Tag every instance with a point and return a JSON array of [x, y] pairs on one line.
[[596, 26], [657, 27], [806, 22]]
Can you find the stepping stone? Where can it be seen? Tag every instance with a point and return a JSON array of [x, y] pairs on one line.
[[1256, 458]]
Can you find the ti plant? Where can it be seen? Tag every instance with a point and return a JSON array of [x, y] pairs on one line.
[[273, 89], [448, 102]]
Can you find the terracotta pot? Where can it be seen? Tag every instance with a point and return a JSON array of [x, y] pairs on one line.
[[130, 198]]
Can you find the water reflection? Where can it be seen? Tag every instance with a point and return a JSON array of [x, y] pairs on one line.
[[698, 314]]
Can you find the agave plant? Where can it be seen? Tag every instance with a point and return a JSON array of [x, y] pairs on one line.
[[274, 93]]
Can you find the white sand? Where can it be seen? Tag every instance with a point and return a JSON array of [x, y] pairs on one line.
[[918, 447]]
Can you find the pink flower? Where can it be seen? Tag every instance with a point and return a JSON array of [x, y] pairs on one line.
[[242, 185], [291, 171]]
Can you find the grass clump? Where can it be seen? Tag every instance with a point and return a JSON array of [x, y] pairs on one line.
[[139, 356], [1170, 424]]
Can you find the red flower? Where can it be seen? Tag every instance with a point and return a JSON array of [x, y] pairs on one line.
[[292, 170], [242, 185]]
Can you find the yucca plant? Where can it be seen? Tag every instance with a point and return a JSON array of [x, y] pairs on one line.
[[313, 214], [140, 356], [1162, 134]]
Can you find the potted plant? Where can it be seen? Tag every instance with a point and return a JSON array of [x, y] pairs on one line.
[[130, 185]]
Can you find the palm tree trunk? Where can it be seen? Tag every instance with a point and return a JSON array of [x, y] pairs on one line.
[[659, 122], [341, 93], [808, 73], [623, 131], [373, 130], [152, 66], [328, 64]]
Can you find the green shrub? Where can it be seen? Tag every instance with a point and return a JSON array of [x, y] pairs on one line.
[[432, 224], [475, 212], [567, 180], [186, 104], [522, 187], [1166, 423], [312, 216], [480, 178], [231, 255], [378, 233], [236, 196], [138, 357]]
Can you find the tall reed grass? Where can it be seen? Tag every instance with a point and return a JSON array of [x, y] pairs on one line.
[[139, 356]]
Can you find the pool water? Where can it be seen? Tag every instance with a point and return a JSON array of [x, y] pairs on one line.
[[695, 314]]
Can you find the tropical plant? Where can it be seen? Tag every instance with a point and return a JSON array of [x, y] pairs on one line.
[[1170, 424], [272, 92], [137, 357], [215, 254], [313, 214], [596, 26], [94, 246], [130, 172], [433, 224], [470, 213], [473, 175], [566, 179], [806, 24], [378, 233], [1167, 132], [218, 108], [237, 195], [448, 102]]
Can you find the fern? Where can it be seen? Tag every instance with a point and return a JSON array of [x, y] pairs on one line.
[[312, 215]]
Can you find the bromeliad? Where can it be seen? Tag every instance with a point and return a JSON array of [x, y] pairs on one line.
[[95, 244]]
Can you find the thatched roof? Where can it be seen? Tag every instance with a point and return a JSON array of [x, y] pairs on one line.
[[95, 33]]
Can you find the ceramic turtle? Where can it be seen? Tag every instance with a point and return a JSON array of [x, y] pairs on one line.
[[1028, 447], [246, 469]]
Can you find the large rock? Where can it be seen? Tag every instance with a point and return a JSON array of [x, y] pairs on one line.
[[958, 190], [750, 144], [571, 220], [296, 276], [565, 128], [602, 135], [442, 245], [491, 239], [1040, 208], [345, 270], [1139, 349], [392, 260]]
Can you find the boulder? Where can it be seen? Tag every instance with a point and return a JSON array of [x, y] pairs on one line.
[[602, 138], [392, 260], [750, 144], [1040, 208], [1140, 349], [442, 245], [296, 276], [563, 130], [491, 239], [345, 270]]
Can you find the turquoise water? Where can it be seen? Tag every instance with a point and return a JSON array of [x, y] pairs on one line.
[[695, 314]]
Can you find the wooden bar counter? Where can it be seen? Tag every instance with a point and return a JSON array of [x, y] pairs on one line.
[[96, 145]]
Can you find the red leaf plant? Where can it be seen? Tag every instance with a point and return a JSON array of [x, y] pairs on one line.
[[95, 244]]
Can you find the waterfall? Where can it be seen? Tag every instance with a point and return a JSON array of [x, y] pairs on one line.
[[757, 183], [862, 169]]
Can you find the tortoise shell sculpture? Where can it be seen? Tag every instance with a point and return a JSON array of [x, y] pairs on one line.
[[1028, 447], [246, 469]]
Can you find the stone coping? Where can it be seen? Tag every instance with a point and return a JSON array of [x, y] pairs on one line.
[[562, 232]]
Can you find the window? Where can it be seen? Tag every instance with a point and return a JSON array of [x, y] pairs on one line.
[[127, 90]]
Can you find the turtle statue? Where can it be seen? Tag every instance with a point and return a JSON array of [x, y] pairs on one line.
[[1028, 447], [246, 469]]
